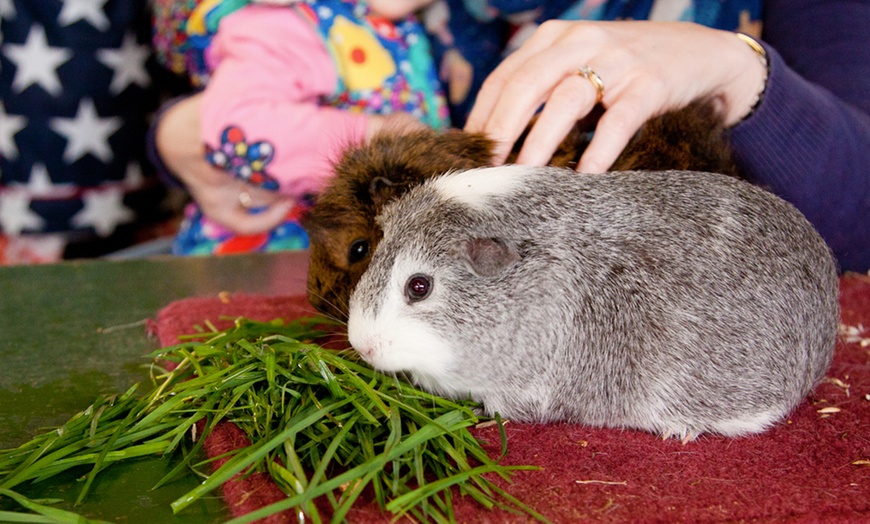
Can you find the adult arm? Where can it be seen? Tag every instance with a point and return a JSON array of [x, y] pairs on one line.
[[809, 139], [651, 67]]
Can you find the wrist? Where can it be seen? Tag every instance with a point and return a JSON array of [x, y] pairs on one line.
[[176, 139], [753, 81], [153, 151]]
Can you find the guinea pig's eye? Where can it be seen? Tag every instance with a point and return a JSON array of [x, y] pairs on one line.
[[358, 250], [418, 287]]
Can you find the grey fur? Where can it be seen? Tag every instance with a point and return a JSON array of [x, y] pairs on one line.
[[676, 302]]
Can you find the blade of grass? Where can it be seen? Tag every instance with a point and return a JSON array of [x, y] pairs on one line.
[[181, 466], [442, 424], [250, 455], [55, 515], [266, 378]]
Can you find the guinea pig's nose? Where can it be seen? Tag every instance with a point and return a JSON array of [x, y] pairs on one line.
[[361, 343], [365, 351]]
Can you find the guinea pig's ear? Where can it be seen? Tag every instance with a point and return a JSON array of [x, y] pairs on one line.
[[381, 190], [488, 257]]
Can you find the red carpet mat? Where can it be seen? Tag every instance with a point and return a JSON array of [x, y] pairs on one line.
[[814, 467]]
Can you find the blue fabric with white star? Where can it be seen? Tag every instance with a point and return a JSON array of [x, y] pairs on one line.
[[75, 92]]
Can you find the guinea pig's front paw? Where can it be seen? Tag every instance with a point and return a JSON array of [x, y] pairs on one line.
[[480, 412], [685, 435]]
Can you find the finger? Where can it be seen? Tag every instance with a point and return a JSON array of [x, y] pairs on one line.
[[615, 129], [494, 84], [573, 98], [527, 90], [233, 204], [253, 197], [518, 101], [492, 90], [247, 222]]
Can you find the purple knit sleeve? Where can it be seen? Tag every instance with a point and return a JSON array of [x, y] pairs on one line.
[[809, 140]]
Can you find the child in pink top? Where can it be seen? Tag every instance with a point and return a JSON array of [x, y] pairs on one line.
[[287, 87]]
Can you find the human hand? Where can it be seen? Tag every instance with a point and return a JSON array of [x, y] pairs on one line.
[[221, 197], [647, 69], [458, 73]]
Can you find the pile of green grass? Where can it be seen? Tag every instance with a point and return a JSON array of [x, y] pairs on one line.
[[322, 423]]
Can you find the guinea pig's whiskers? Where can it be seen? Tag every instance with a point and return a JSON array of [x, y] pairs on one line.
[[344, 307], [336, 313], [401, 375]]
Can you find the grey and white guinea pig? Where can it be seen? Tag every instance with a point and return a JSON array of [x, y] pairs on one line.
[[342, 225], [679, 303]]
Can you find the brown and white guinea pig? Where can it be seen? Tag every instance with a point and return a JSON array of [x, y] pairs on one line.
[[675, 302], [342, 226]]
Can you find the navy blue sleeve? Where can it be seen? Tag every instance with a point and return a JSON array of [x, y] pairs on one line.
[[809, 140]]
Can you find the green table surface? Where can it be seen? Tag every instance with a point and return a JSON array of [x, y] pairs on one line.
[[72, 331]]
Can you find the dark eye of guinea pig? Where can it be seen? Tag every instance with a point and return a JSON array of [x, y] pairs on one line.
[[418, 287], [358, 250]]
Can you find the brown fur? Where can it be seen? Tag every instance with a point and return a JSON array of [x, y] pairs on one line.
[[369, 176]]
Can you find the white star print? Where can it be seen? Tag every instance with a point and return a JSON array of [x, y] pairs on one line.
[[104, 210], [36, 62], [127, 62], [86, 133], [9, 126], [88, 10], [40, 184], [133, 177], [15, 212], [7, 9]]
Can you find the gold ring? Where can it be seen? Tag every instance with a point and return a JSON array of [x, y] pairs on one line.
[[246, 200], [587, 73]]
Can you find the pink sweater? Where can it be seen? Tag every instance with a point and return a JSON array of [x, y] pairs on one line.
[[270, 69]]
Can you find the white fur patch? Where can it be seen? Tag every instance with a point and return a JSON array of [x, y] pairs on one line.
[[391, 343], [747, 424], [475, 186], [392, 339]]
